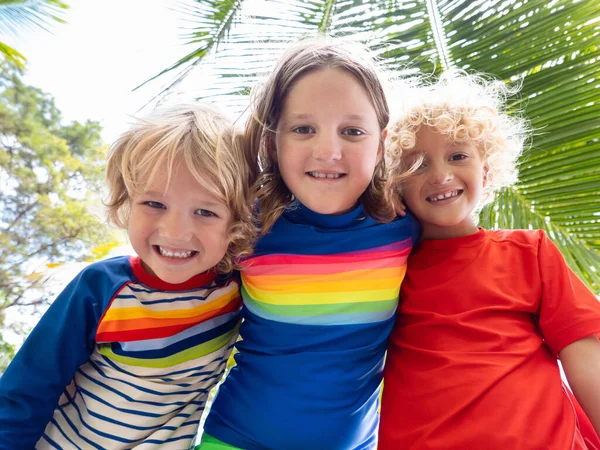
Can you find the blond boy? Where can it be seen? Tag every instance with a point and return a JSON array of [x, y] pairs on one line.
[[483, 315], [126, 355]]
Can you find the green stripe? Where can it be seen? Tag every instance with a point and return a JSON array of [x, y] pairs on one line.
[[321, 310], [187, 355]]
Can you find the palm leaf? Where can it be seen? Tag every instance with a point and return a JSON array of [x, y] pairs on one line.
[[550, 47], [16, 15], [12, 55]]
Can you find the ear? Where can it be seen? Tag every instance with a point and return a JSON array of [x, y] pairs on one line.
[[272, 147], [486, 177]]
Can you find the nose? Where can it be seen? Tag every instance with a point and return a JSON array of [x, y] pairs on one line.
[[176, 227], [328, 146], [440, 174]]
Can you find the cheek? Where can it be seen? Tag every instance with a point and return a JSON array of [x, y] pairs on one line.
[[410, 194], [289, 162]]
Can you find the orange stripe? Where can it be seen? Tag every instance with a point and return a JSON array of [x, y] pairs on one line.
[[135, 324], [273, 282]]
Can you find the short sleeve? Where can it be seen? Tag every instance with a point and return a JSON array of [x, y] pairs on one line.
[[569, 311]]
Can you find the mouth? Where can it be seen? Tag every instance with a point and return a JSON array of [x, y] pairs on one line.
[[324, 175], [444, 196], [174, 253]]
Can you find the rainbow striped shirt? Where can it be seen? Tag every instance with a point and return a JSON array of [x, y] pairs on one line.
[[140, 359], [320, 295]]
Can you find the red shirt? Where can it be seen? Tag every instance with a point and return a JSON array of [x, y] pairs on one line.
[[472, 362]]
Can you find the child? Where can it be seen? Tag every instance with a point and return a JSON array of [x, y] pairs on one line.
[[483, 314], [321, 293], [126, 355]]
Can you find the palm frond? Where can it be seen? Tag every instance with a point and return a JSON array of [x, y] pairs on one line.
[[12, 56], [16, 15], [548, 46]]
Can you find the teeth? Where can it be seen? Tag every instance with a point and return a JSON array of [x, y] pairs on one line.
[[324, 175], [169, 254], [443, 196]]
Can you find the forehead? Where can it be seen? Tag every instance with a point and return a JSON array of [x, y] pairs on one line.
[[327, 91], [179, 180], [430, 139]]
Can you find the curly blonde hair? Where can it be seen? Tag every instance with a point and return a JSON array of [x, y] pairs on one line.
[[462, 107], [267, 104], [203, 139]]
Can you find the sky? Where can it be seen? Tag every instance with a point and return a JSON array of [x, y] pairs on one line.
[[108, 47], [90, 66]]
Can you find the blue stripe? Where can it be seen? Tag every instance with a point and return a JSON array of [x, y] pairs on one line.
[[187, 436], [180, 346], [166, 376], [331, 319], [75, 429], [168, 300], [139, 412], [130, 399], [51, 442], [139, 388], [161, 343]]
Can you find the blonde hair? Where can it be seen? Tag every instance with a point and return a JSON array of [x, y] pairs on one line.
[[462, 107], [267, 104], [210, 147]]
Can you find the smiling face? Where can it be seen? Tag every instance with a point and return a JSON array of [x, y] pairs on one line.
[[181, 232], [328, 141], [447, 187]]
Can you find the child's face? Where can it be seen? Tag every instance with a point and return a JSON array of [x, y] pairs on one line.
[[328, 141], [445, 190], [181, 232]]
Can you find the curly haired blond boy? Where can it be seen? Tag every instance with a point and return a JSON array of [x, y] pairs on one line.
[[483, 315]]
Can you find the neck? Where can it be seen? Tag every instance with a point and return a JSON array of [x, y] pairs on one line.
[[434, 232]]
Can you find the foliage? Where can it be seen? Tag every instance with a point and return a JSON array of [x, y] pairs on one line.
[[16, 15], [551, 47], [47, 170]]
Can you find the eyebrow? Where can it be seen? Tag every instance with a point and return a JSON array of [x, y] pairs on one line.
[[207, 203], [310, 116]]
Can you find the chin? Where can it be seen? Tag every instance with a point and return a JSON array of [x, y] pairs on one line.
[[328, 209]]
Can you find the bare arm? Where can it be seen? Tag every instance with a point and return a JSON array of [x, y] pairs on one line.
[[581, 363]]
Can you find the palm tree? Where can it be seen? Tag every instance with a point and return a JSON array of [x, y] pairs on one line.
[[16, 15], [551, 46]]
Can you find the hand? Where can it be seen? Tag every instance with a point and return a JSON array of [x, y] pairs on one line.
[[399, 206]]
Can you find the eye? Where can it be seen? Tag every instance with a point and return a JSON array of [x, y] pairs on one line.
[[422, 165], [458, 157], [155, 205], [205, 213], [303, 130], [353, 132], [418, 164]]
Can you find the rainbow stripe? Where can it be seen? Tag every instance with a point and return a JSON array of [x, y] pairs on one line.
[[343, 288]]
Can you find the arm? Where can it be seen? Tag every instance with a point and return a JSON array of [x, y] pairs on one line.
[[581, 363], [34, 381]]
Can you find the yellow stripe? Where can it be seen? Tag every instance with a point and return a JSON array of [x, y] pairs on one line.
[[190, 354], [142, 312], [271, 281], [316, 287], [329, 298]]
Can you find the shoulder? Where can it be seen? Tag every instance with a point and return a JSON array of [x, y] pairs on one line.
[[102, 279], [523, 239], [116, 269]]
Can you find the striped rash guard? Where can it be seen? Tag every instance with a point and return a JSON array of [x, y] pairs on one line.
[[320, 294], [120, 360]]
